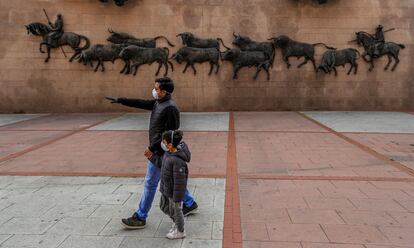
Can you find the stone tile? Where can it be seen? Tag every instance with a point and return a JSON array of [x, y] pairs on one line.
[[7, 119], [73, 210], [115, 228], [74, 180], [273, 121], [369, 218], [195, 243], [28, 209], [26, 226], [254, 231], [401, 236], [208, 214], [129, 189], [408, 205], [322, 245], [75, 241], [79, 226], [126, 180], [193, 229], [131, 242], [404, 219], [113, 211], [381, 122], [4, 237], [296, 232], [62, 121], [34, 241], [311, 216], [103, 198], [217, 230], [269, 244], [329, 203], [377, 205], [354, 234]]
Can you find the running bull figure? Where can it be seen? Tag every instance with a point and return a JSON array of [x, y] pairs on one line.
[[125, 38], [241, 59], [333, 58], [247, 44], [291, 48], [117, 2], [192, 55], [190, 40]]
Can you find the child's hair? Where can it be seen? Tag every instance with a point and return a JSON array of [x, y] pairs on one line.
[[173, 137]]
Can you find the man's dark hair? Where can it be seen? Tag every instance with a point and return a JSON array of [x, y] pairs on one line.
[[166, 84], [174, 138]]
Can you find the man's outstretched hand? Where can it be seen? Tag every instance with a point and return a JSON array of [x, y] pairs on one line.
[[112, 99]]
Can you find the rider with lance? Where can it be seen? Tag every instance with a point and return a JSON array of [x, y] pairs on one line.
[[379, 38], [56, 32]]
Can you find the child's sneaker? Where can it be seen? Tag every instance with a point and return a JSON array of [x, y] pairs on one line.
[[175, 234]]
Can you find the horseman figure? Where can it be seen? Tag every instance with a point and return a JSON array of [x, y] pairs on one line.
[[56, 32], [379, 39]]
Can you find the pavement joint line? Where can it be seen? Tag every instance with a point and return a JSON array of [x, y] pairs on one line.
[[23, 121], [325, 178], [365, 148], [97, 174], [232, 216], [46, 143]]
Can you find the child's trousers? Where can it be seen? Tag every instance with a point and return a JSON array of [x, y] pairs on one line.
[[174, 210]]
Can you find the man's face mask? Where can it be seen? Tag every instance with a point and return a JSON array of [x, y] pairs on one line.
[[154, 94]]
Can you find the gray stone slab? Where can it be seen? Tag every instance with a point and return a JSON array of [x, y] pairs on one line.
[[73, 180], [217, 230], [6, 119], [381, 122], [194, 243], [79, 226], [34, 208], [34, 241], [129, 189], [193, 229], [26, 226], [76, 241], [71, 210], [107, 188], [208, 214], [189, 122], [113, 211], [4, 237], [103, 198], [134, 242], [115, 228], [127, 180]]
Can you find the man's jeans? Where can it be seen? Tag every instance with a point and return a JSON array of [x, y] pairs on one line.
[[152, 178]]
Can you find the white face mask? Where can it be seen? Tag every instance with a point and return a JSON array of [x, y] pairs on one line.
[[154, 94], [164, 147]]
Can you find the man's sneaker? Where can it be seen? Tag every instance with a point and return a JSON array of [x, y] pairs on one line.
[[190, 210], [134, 222], [173, 227], [176, 234]]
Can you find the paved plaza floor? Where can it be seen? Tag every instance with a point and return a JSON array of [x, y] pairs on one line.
[[262, 180]]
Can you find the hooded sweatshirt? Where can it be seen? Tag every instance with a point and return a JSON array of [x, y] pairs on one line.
[[174, 173]]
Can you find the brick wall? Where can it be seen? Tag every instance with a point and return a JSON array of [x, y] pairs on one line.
[[29, 85]]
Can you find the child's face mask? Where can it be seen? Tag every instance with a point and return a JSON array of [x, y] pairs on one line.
[[164, 146]]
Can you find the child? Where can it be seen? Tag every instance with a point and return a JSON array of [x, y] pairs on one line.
[[174, 175]]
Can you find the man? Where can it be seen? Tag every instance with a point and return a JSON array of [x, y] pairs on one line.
[[379, 38], [164, 116], [56, 32]]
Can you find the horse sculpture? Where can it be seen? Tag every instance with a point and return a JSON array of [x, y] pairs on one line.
[[391, 49], [67, 38]]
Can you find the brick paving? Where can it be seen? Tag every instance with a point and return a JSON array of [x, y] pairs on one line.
[[270, 179]]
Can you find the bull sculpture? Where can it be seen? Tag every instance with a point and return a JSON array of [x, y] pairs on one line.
[[241, 59], [125, 38], [140, 55], [118, 3], [192, 55], [292, 48], [190, 40], [101, 53], [333, 58], [247, 44]]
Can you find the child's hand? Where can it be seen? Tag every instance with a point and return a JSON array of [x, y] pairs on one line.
[[148, 153]]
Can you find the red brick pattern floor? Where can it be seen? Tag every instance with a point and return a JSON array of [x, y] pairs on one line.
[[291, 182]]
